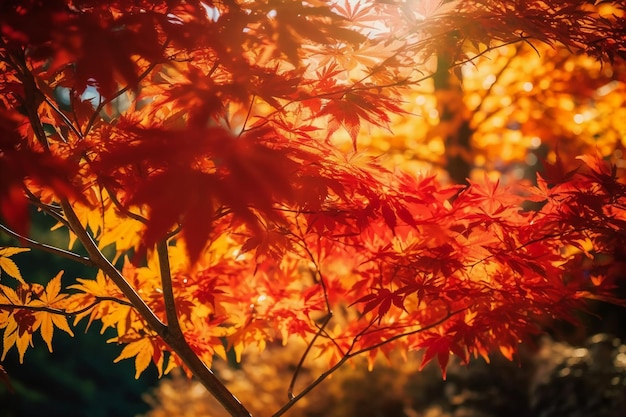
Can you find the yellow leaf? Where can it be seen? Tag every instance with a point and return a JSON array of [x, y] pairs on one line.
[[129, 351], [116, 316], [46, 328], [97, 287], [53, 288], [238, 348], [171, 364], [9, 295], [143, 360], [22, 343], [10, 251], [46, 322], [11, 268], [61, 323], [220, 351], [142, 350], [12, 337]]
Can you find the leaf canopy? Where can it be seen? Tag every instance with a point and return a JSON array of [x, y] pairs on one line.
[[244, 140]]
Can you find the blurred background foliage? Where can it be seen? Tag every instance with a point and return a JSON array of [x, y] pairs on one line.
[[551, 379], [505, 113]]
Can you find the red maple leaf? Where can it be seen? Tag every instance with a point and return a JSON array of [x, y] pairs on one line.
[[195, 173], [19, 162]]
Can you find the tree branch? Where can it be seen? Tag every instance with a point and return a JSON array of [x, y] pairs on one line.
[[176, 339], [173, 325], [329, 314], [60, 312], [47, 248], [65, 119], [349, 355], [294, 378], [119, 92]]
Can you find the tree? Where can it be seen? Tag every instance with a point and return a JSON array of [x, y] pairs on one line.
[[203, 146]]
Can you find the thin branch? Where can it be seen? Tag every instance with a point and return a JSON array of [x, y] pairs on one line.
[[214, 68], [32, 95], [119, 92], [349, 89], [48, 208], [54, 212], [321, 328], [409, 333], [118, 205], [530, 242], [168, 290], [124, 210], [248, 114], [62, 115], [493, 48], [60, 312], [322, 283], [349, 355], [310, 387], [72, 99], [309, 346], [174, 231], [47, 248]]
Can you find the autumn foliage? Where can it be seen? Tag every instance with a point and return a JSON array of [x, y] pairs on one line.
[[215, 148]]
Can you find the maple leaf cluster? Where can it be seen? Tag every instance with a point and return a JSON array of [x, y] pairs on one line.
[[38, 310], [212, 131]]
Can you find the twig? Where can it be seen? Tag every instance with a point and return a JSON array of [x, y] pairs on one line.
[[305, 354], [52, 211], [409, 333], [124, 210], [530, 242], [66, 120], [349, 355], [119, 92], [60, 312], [47, 248], [248, 114]]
